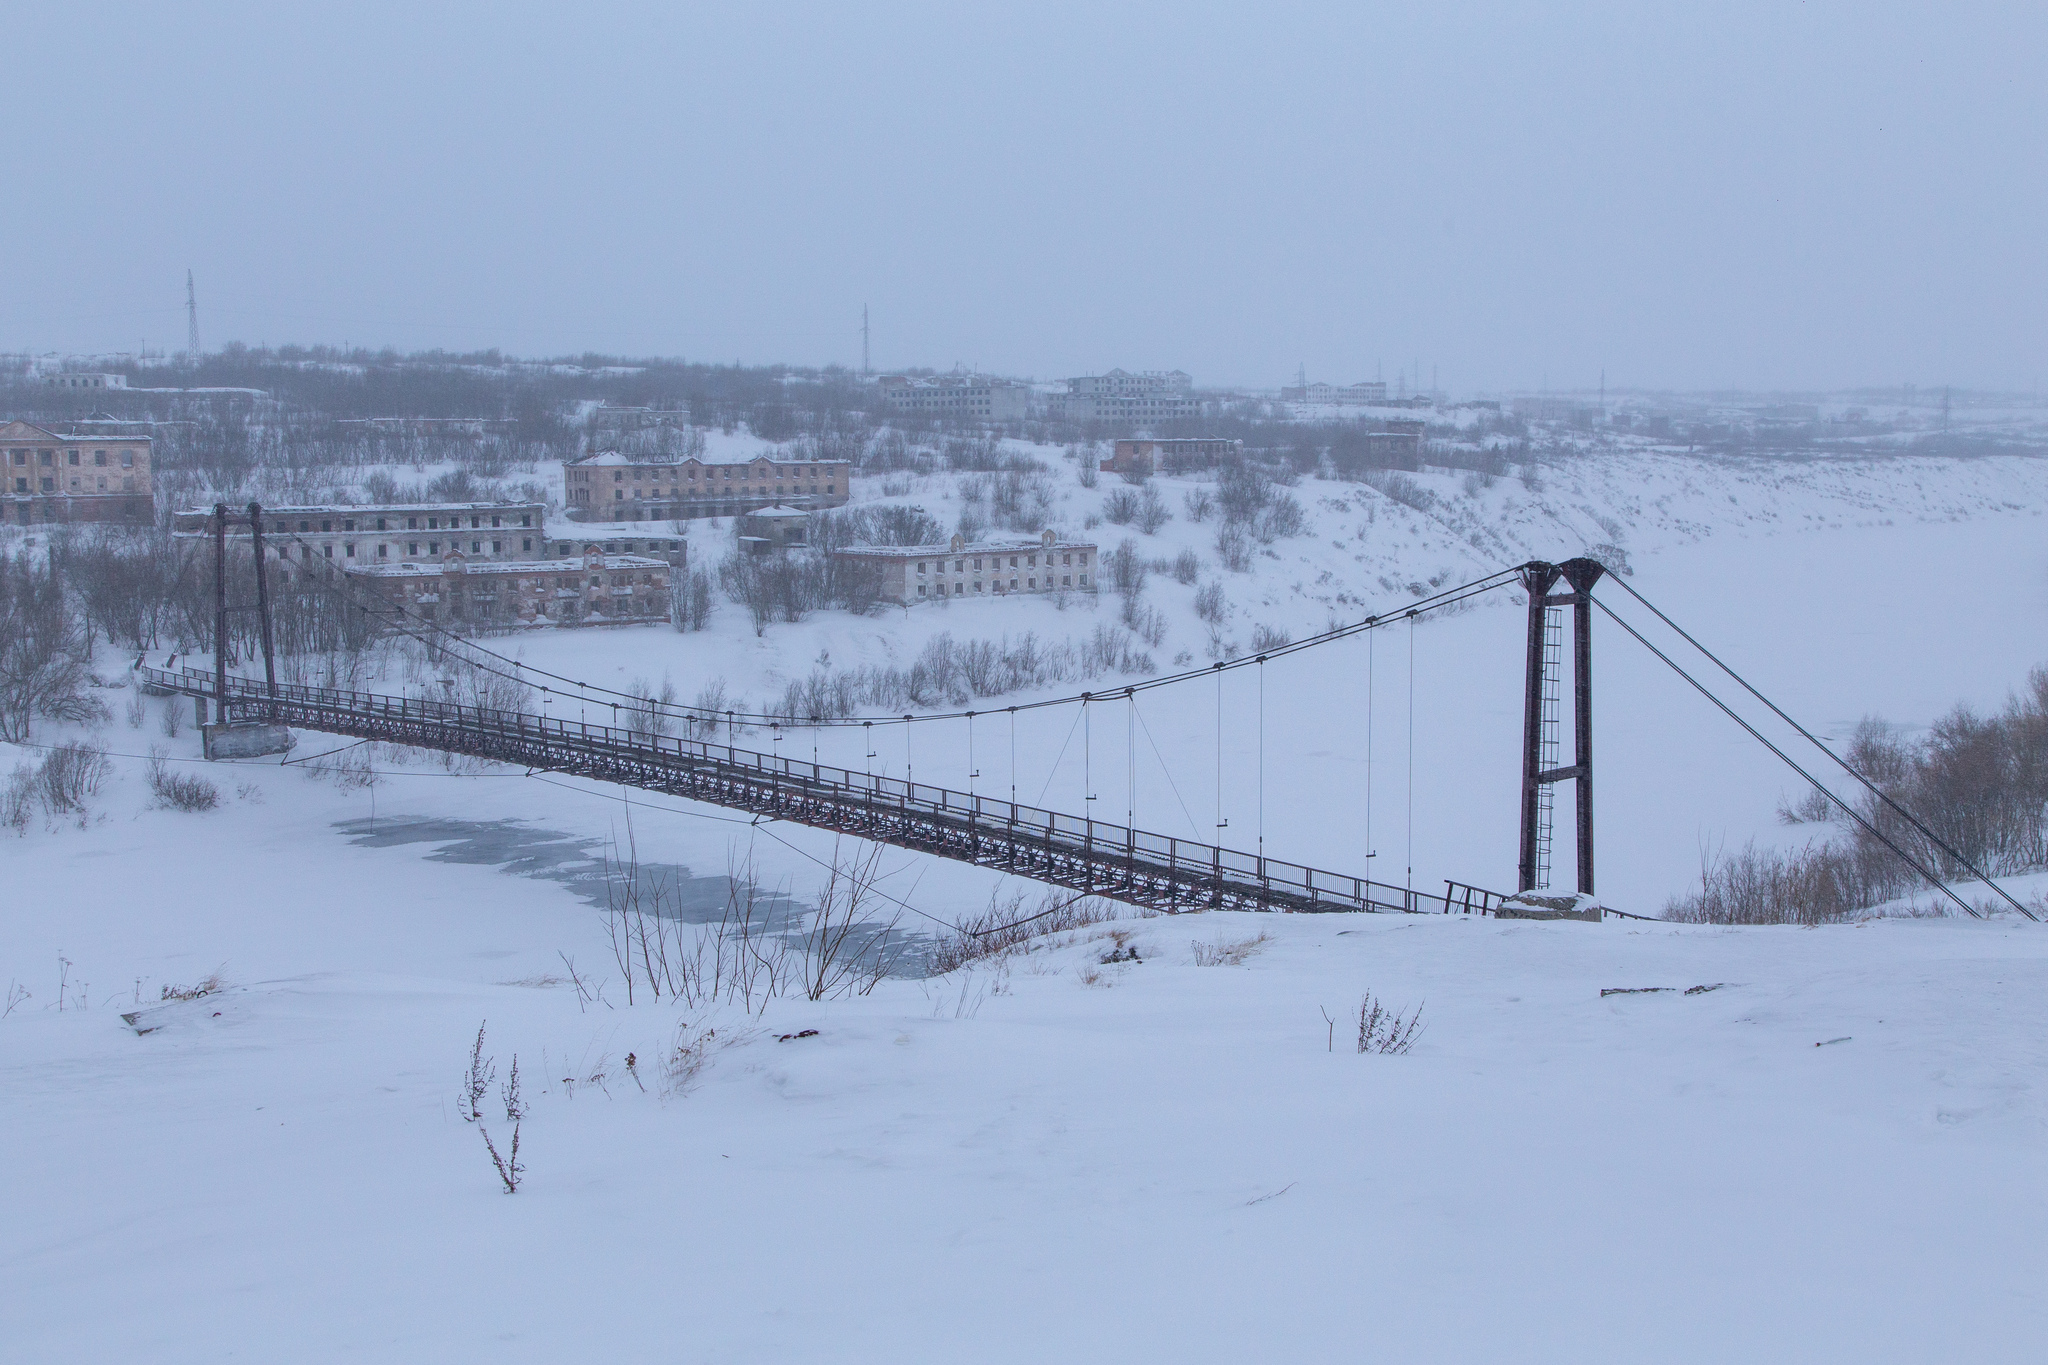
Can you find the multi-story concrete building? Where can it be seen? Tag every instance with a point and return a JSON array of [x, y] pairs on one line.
[[980, 568], [615, 487], [310, 540], [1140, 456], [959, 397], [86, 381], [55, 476], [1369, 393], [1121, 396], [593, 589]]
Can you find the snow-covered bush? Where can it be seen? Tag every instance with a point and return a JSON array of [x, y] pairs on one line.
[[1187, 566]]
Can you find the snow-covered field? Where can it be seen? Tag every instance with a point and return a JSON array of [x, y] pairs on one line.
[[1833, 1156]]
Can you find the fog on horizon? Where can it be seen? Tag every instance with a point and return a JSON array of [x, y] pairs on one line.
[[1510, 196]]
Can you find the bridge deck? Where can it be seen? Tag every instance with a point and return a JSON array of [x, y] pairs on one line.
[[1086, 855]]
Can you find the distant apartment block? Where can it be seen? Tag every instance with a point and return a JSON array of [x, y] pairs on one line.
[[60, 477], [1371, 393], [1141, 456], [1120, 396], [615, 487], [85, 381], [980, 568], [591, 589], [958, 397], [313, 541]]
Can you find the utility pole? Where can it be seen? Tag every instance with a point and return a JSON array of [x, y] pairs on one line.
[[191, 318]]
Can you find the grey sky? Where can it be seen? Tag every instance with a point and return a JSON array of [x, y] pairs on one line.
[[1688, 195]]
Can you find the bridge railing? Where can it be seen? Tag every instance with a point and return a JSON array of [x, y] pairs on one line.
[[1143, 852]]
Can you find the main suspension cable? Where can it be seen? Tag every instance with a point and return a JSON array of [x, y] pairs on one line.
[[1787, 759], [1815, 741]]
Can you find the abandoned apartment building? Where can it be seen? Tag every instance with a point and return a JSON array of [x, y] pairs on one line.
[[73, 477], [307, 539], [593, 589], [1141, 457], [610, 486], [980, 568]]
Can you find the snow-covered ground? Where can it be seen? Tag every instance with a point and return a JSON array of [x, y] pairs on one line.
[[1833, 1156]]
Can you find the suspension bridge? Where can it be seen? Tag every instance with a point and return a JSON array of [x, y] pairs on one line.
[[1079, 853], [1076, 852]]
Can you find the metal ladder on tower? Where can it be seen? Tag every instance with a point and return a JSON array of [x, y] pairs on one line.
[[1549, 734]]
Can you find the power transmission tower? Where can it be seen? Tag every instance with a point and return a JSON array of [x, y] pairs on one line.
[[191, 318]]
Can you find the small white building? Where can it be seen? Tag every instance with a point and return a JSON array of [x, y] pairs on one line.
[[979, 568], [86, 381]]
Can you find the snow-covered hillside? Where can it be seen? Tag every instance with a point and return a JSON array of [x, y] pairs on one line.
[[1828, 1156]]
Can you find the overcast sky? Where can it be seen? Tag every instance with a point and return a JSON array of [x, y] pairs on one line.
[[1761, 195]]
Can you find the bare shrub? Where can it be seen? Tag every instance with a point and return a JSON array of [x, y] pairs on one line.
[[1210, 604], [1229, 952], [1234, 548], [1198, 504], [1811, 808], [1152, 513], [1381, 1030], [179, 791], [1269, 637], [70, 774], [1011, 921], [18, 798], [1087, 467], [476, 1082], [44, 652], [844, 952], [690, 599], [1281, 518], [1187, 566], [1120, 508], [1821, 883], [689, 1054], [651, 711], [1400, 488], [737, 960], [1148, 623], [173, 718], [135, 711], [1126, 569]]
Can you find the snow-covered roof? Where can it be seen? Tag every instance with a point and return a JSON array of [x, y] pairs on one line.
[[502, 567], [973, 547], [613, 457]]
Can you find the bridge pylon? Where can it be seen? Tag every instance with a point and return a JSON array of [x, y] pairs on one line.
[[1541, 702]]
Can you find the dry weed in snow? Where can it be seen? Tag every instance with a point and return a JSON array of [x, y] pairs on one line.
[[1229, 952]]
